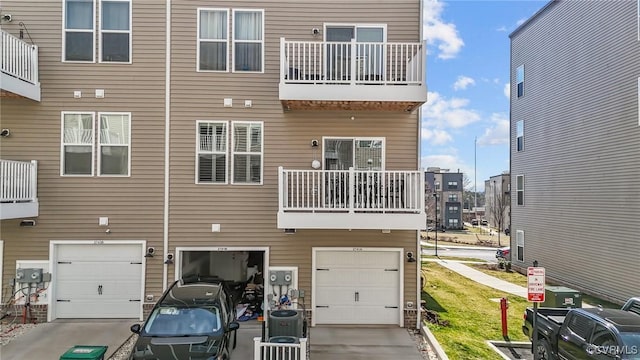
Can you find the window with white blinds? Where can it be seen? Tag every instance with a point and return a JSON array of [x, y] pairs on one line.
[[212, 152], [359, 153]]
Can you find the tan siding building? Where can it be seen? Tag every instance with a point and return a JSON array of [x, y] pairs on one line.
[[280, 135]]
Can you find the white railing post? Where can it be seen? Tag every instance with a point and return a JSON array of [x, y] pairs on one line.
[[351, 187], [257, 348], [353, 61], [34, 180], [303, 349], [421, 192], [281, 186], [283, 61]]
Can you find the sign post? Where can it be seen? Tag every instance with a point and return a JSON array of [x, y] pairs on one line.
[[535, 293]]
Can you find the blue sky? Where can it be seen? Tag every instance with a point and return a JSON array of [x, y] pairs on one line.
[[468, 82]]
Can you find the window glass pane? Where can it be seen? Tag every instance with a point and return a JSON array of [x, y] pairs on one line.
[[79, 14], [212, 168], [213, 137], [77, 160], [338, 154], [115, 15], [213, 25], [368, 155], [520, 128], [78, 129], [114, 160], [248, 25], [213, 56], [256, 138], [79, 46], [246, 168], [520, 74], [115, 47], [248, 56], [114, 129]]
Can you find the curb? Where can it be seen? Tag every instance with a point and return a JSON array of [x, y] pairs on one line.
[[433, 342], [518, 344]]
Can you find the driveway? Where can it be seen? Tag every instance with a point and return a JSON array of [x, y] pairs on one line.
[[49, 341]]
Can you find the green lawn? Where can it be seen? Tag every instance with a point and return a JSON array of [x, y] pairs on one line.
[[473, 312]]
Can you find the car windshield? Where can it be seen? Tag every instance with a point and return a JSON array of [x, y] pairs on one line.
[[631, 348], [175, 321]]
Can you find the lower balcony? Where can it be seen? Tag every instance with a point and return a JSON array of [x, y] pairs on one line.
[[18, 189], [18, 68], [351, 199]]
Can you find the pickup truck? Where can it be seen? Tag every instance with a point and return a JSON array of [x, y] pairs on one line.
[[586, 333]]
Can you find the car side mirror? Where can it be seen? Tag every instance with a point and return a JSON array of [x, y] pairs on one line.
[[135, 328], [233, 326]]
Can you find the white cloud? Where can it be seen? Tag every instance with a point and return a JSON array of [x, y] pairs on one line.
[[502, 28], [446, 161], [442, 113], [440, 33], [521, 21], [463, 82], [436, 136], [498, 132], [507, 90]]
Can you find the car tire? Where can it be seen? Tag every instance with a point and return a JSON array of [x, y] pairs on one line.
[[544, 350]]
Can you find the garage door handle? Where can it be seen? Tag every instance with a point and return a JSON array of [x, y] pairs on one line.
[[322, 269], [63, 300], [64, 262], [322, 306], [357, 296], [138, 300], [390, 269], [390, 307], [99, 289]]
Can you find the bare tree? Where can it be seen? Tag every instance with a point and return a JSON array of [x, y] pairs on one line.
[[499, 205]]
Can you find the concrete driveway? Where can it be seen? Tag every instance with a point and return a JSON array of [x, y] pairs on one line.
[[49, 341]]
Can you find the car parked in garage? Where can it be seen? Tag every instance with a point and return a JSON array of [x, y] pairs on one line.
[[194, 319]]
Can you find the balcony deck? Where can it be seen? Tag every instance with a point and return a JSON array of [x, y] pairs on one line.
[[18, 68], [352, 75], [351, 199], [18, 189]]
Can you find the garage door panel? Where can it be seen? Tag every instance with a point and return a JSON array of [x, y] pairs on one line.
[[98, 281], [357, 287]]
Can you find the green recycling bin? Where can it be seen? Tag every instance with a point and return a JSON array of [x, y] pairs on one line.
[[85, 352]]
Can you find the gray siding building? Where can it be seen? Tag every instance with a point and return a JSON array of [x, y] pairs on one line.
[[575, 145], [447, 187]]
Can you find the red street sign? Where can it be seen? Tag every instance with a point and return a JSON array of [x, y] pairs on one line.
[[535, 284]]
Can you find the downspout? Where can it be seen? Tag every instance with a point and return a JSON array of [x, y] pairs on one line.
[[167, 128], [419, 141]]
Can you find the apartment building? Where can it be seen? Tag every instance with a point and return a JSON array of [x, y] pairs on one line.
[[443, 198], [498, 200], [147, 141], [575, 145]]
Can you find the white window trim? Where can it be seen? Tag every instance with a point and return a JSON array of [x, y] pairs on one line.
[[519, 190], [232, 152], [519, 243], [98, 143], [518, 82], [62, 143], [226, 152], [353, 140], [233, 42], [64, 37], [130, 32], [518, 135], [227, 40]]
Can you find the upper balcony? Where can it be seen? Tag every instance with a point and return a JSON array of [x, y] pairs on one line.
[[351, 199], [18, 68], [18, 189], [378, 76]]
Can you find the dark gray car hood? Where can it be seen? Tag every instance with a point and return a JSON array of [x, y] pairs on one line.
[[175, 348]]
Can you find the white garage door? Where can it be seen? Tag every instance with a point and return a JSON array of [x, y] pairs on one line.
[[98, 281], [357, 287]]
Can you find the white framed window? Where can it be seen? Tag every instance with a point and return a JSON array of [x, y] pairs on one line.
[[453, 209], [453, 222], [453, 197], [520, 80], [213, 40], [212, 161], [248, 40], [246, 152], [114, 144], [78, 30], [77, 143], [362, 153], [520, 190], [520, 245], [520, 135], [115, 31], [452, 185]]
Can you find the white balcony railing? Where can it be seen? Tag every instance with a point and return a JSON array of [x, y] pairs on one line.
[[19, 59], [18, 189], [352, 62], [19, 181], [19, 67], [351, 191], [279, 351]]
